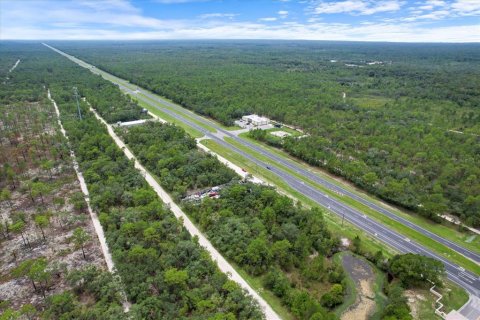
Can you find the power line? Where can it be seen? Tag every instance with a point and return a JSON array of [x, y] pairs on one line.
[[75, 94]]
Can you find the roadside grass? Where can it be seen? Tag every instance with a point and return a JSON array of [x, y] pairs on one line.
[[148, 104], [454, 297], [380, 297], [402, 229], [194, 133], [446, 230], [230, 128], [257, 284]]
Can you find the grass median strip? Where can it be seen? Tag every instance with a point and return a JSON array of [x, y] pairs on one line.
[[150, 105], [165, 116]]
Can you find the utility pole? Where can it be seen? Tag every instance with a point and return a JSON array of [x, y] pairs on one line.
[[343, 217], [75, 94]]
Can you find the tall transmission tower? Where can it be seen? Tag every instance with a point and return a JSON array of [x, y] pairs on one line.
[[75, 94]]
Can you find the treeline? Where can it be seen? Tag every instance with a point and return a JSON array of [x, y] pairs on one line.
[[171, 154], [164, 272], [390, 135], [118, 107]]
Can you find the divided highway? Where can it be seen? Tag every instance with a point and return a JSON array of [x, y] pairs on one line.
[[465, 279]]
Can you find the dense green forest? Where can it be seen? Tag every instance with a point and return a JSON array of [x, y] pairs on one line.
[[170, 153], [164, 272], [399, 120]]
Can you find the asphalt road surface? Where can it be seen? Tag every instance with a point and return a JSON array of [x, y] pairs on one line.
[[465, 279]]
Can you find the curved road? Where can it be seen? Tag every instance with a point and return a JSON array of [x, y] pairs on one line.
[[465, 279]]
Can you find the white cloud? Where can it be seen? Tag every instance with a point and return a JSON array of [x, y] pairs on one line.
[[437, 10], [45, 14], [178, 1], [120, 20], [218, 15], [268, 19], [361, 7], [434, 15], [466, 7]]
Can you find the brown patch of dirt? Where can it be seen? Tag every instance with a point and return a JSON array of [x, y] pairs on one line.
[[413, 300], [362, 274]]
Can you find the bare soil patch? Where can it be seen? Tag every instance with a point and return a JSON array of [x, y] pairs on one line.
[[363, 276]]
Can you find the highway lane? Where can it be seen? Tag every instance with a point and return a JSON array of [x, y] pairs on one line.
[[465, 279]]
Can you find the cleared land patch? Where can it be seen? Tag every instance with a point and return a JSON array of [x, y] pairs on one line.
[[44, 223]]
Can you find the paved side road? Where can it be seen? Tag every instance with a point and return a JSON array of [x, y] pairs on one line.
[[470, 309], [222, 263]]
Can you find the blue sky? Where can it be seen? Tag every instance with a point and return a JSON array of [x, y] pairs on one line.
[[358, 20]]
